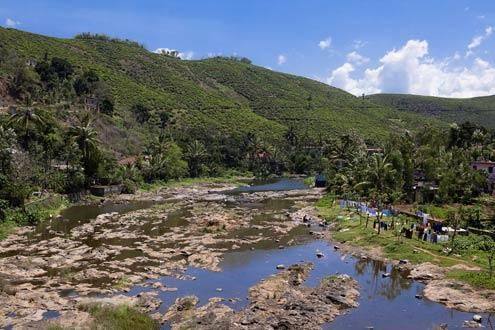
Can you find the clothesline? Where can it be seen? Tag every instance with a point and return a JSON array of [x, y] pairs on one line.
[[363, 208]]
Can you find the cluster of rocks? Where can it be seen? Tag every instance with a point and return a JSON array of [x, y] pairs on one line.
[[279, 302]]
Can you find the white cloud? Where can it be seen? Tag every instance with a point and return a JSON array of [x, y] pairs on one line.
[[358, 44], [182, 55], [356, 58], [281, 59], [324, 44], [410, 70], [9, 22], [189, 55], [477, 40]]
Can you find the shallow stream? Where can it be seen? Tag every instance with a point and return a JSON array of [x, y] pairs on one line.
[[385, 303]]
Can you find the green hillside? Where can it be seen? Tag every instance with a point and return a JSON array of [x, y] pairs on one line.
[[479, 110], [218, 94]]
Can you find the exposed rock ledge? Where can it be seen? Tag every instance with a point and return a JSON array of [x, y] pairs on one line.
[[452, 293]]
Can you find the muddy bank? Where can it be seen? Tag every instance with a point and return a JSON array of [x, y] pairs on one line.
[[49, 270], [278, 302]]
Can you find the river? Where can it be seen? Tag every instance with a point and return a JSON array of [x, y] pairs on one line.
[[384, 303]]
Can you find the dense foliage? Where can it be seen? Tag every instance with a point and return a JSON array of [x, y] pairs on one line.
[[438, 161]]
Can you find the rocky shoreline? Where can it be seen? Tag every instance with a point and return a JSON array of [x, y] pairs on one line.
[[97, 261], [278, 302], [194, 226], [438, 288]]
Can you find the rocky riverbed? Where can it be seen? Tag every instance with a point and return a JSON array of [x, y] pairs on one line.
[[278, 302], [53, 268], [204, 257]]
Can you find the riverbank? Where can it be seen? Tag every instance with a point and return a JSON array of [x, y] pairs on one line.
[[35, 211], [52, 205], [54, 267], [458, 281], [151, 249]]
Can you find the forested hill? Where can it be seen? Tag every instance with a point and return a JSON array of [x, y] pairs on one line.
[[223, 95], [479, 110]]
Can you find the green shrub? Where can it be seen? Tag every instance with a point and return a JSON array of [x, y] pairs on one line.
[[478, 279], [120, 317]]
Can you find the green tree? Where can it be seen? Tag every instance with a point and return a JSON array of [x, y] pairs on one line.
[[487, 245], [380, 174], [86, 138], [29, 121], [141, 113], [196, 154]]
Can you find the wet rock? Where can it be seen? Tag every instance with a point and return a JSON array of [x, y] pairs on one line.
[[418, 296], [427, 271], [157, 285], [478, 318], [320, 254], [279, 302], [281, 266], [148, 302], [472, 324], [181, 306], [215, 299], [386, 275]]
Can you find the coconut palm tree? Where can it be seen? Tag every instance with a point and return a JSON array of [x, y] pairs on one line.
[[379, 174], [86, 138], [196, 154], [29, 121]]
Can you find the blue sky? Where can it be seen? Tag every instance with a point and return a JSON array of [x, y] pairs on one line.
[[433, 47]]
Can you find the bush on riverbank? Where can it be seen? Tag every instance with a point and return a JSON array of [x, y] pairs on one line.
[[30, 215], [118, 317]]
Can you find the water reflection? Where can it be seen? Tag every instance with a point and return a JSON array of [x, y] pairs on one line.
[[390, 288]]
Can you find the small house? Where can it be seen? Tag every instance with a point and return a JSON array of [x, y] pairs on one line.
[[320, 181], [488, 167]]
